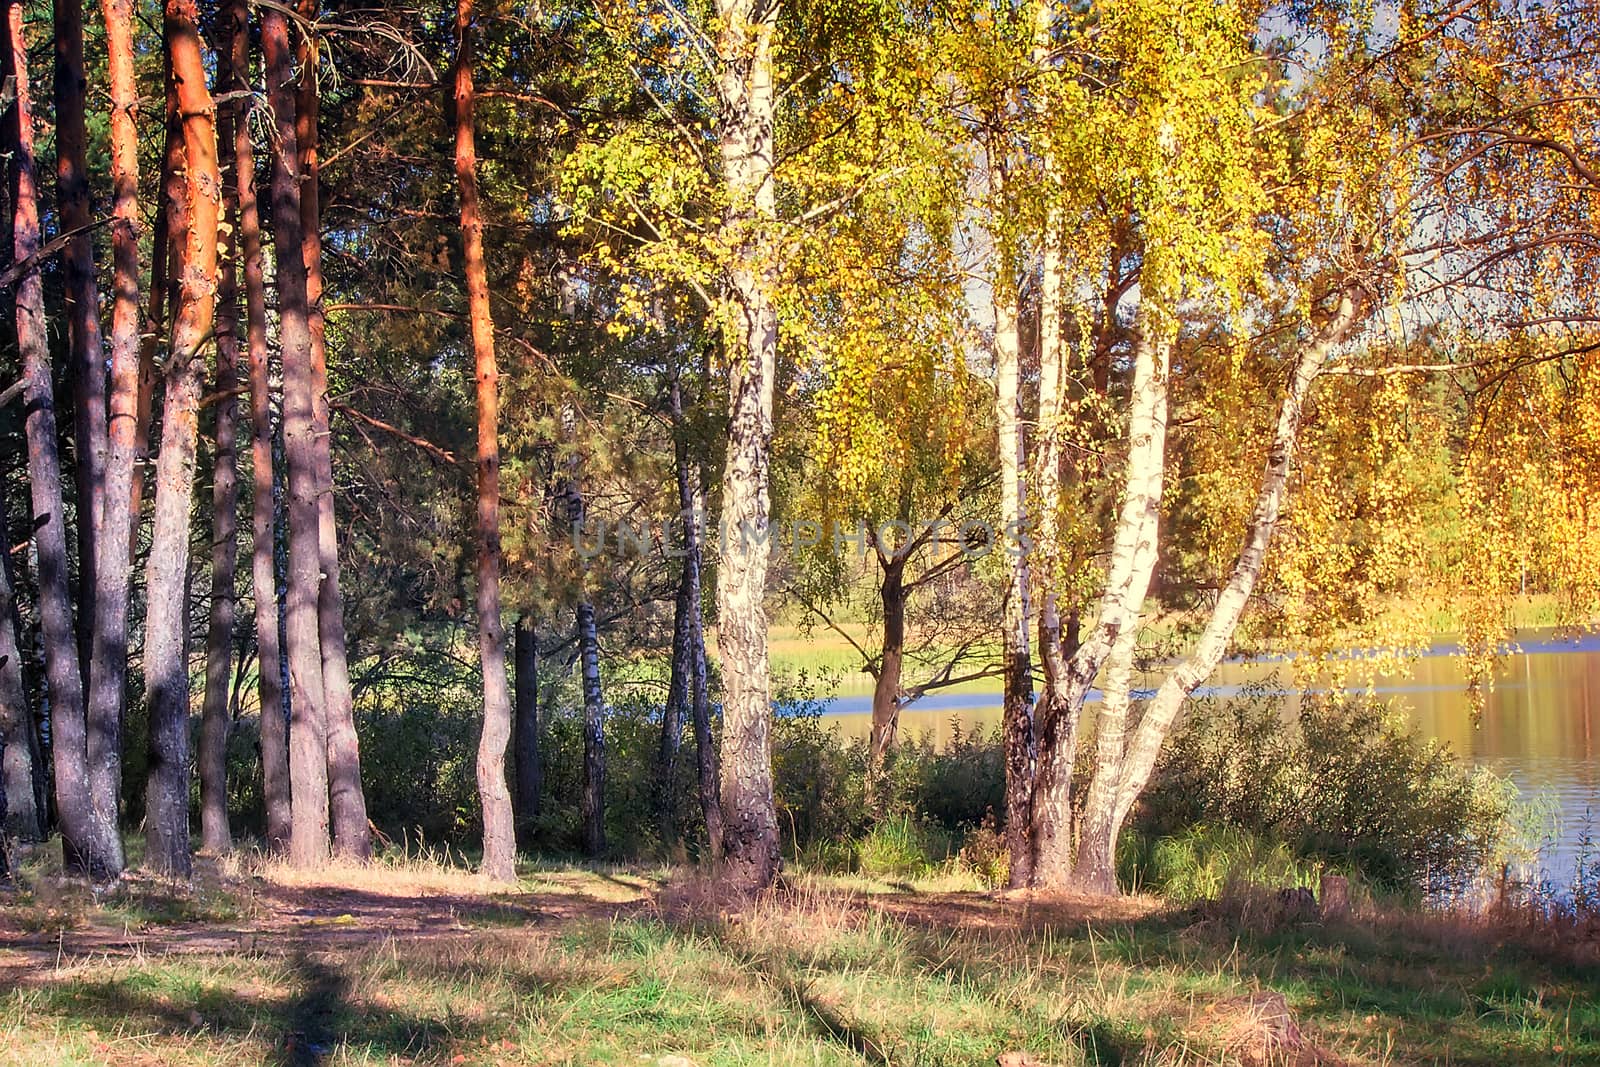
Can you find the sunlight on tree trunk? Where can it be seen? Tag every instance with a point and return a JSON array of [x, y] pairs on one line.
[[166, 638], [746, 90], [1017, 715], [108, 675], [499, 830], [1125, 764]]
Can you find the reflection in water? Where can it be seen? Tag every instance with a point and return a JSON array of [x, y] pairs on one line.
[[1540, 726]]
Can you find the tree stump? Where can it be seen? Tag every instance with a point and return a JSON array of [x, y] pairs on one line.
[[1333, 899]]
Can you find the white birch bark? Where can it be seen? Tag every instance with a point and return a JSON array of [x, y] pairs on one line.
[[1127, 771], [1133, 558], [747, 99]]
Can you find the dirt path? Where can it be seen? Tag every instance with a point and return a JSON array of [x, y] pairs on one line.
[[268, 918]]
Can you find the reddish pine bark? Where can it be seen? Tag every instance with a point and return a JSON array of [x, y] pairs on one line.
[[108, 674], [166, 616], [499, 834], [166, 244], [263, 512], [65, 683], [308, 745]]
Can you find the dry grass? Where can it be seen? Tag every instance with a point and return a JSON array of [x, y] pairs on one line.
[[611, 966]]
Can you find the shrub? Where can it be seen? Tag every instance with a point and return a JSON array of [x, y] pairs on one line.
[[901, 846], [1349, 782], [1202, 862]]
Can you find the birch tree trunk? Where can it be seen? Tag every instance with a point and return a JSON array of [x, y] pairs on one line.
[[1017, 709], [1057, 724], [1127, 581], [108, 675], [166, 617], [215, 719], [746, 99], [84, 341], [1126, 770], [886, 687], [499, 826], [83, 847], [263, 505], [525, 735], [23, 819], [308, 743], [352, 837]]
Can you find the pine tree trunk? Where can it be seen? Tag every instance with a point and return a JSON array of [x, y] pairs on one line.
[[499, 823], [83, 847], [525, 736], [168, 240], [22, 819], [108, 675], [36, 761], [84, 341], [263, 504], [670, 742], [167, 575], [745, 74], [696, 695], [263, 573], [215, 719], [347, 803], [594, 738], [1017, 704], [308, 745]]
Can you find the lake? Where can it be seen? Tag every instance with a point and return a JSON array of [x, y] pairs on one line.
[[1540, 728]]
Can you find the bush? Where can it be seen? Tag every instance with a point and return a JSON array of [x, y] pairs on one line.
[[1243, 791], [1348, 782], [1202, 862], [901, 846]]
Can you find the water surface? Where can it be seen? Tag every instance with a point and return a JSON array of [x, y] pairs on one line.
[[1540, 726]]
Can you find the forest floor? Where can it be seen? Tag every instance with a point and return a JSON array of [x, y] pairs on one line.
[[410, 963]]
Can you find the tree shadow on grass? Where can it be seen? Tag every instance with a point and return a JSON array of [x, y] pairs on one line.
[[313, 1017], [829, 1023], [305, 1029]]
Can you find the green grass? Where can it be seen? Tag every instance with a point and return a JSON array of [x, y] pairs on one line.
[[829, 972]]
